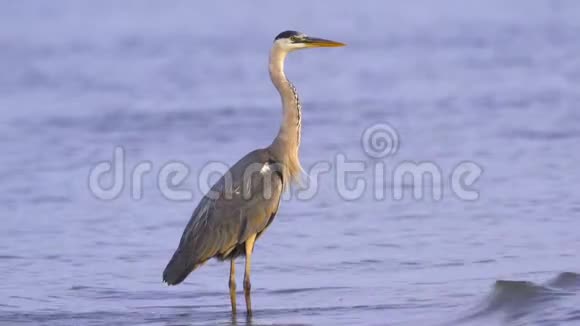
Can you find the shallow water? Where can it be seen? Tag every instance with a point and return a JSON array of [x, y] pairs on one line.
[[487, 82]]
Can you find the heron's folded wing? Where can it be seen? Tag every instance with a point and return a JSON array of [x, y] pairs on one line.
[[228, 215]]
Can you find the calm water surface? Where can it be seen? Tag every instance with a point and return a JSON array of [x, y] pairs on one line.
[[488, 82]]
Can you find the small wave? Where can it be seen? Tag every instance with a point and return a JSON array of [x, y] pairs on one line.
[[512, 294], [513, 299], [105, 293], [50, 199], [566, 281], [537, 135], [301, 290], [573, 315], [145, 121], [7, 257], [120, 120]]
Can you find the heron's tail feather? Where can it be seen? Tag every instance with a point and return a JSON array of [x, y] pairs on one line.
[[177, 269]]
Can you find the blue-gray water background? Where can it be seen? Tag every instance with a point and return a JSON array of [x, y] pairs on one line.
[[492, 82]]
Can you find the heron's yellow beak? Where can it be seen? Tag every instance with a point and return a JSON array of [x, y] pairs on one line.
[[314, 42]]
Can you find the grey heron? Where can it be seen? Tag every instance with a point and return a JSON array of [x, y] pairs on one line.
[[243, 202]]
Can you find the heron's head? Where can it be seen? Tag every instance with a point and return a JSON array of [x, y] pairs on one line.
[[292, 40]]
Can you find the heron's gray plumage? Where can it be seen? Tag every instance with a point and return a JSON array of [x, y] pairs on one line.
[[243, 203], [237, 206]]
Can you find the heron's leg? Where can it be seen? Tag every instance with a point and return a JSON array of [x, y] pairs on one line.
[[247, 284], [232, 285]]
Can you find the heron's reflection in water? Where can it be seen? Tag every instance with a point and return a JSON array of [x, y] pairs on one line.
[[248, 320]]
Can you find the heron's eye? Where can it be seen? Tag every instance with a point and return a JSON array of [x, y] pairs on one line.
[[293, 39]]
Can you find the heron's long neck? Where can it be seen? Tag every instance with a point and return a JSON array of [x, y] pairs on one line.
[[287, 142]]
